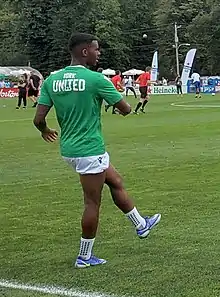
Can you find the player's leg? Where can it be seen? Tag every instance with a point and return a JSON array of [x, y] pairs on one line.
[[181, 91], [19, 99], [126, 93], [24, 99], [31, 95], [142, 94], [177, 91], [35, 98], [133, 91], [92, 185], [113, 110], [121, 199], [92, 178], [197, 89], [146, 100]]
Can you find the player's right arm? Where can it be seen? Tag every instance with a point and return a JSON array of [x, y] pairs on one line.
[[107, 91]]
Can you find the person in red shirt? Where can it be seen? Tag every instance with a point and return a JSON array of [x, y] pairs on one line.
[[143, 81], [117, 82]]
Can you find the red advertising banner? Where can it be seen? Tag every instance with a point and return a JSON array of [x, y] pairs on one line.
[[8, 93]]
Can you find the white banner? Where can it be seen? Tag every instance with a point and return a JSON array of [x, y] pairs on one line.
[[161, 90], [154, 67], [188, 66]]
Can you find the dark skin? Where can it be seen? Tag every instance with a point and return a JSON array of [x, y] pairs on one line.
[[92, 184]]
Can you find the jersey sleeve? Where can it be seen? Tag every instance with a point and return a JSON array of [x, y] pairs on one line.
[[45, 98], [107, 91]]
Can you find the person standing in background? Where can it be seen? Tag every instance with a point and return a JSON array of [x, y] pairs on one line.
[[34, 87], [196, 81], [22, 94], [128, 81], [178, 83], [117, 82], [143, 81], [164, 81], [2, 84]]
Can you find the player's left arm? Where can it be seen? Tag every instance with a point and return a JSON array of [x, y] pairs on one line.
[[107, 91], [43, 108]]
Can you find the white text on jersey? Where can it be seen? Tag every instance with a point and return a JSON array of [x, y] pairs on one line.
[[68, 85]]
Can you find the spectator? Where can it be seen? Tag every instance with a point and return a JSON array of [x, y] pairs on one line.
[[164, 81], [34, 87], [178, 83], [22, 94], [2, 84], [128, 81]]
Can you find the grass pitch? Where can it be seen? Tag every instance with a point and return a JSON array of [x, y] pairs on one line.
[[169, 159]]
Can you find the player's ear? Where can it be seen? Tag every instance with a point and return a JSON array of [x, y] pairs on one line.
[[84, 52]]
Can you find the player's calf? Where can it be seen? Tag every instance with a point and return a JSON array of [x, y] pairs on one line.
[[125, 204]]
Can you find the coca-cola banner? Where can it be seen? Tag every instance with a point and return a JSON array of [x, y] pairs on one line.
[[8, 92]]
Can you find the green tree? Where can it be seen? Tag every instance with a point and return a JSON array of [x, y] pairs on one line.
[[138, 20], [204, 30], [102, 18], [11, 53], [35, 20]]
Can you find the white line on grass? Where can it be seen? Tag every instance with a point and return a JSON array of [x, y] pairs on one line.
[[16, 120], [52, 290], [182, 104], [20, 120]]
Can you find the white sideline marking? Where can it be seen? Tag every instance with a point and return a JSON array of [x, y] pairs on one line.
[[16, 120], [182, 104], [52, 290], [21, 120]]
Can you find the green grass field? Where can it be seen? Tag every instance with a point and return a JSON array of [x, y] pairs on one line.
[[169, 159]]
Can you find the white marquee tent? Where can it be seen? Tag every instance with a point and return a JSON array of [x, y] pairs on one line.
[[133, 72], [108, 71], [18, 70]]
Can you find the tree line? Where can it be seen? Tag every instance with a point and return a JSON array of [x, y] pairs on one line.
[[37, 31]]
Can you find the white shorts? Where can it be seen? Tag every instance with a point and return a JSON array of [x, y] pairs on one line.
[[89, 165]]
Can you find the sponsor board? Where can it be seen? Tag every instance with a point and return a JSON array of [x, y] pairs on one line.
[[8, 92]]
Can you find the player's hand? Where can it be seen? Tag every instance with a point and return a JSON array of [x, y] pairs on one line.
[[49, 135]]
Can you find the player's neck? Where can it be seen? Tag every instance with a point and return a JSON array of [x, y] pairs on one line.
[[76, 61]]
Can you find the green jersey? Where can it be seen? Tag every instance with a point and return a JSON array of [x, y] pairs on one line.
[[77, 94]]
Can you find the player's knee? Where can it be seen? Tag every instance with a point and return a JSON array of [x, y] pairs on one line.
[[92, 198]]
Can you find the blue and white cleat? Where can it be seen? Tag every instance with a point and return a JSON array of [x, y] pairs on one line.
[[93, 261], [150, 224]]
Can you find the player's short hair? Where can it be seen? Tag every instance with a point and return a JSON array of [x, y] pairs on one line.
[[77, 39], [148, 68], [117, 72], [100, 69]]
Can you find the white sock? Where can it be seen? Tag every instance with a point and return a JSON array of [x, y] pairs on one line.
[[138, 221], [86, 246]]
